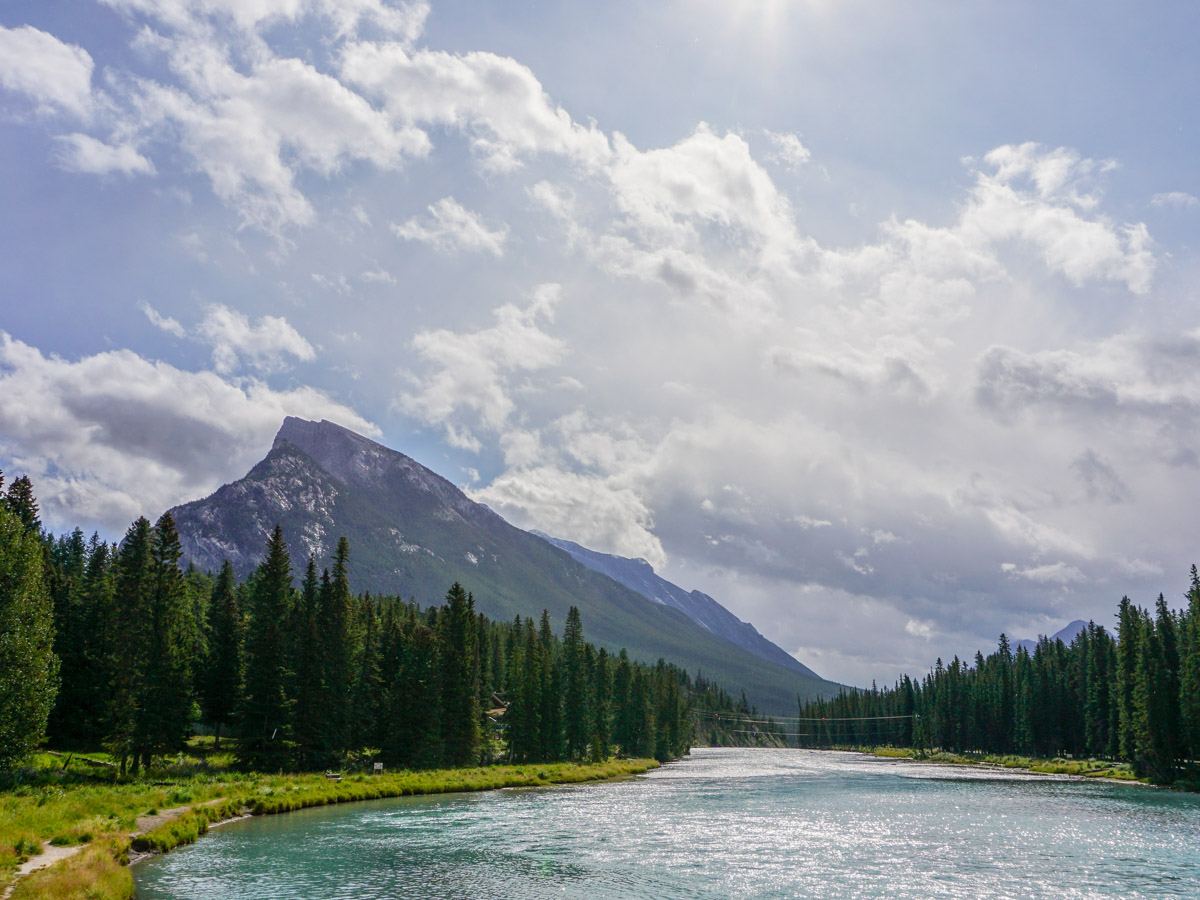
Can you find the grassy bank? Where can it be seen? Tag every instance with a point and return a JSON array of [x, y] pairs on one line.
[[70, 810], [1084, 768]]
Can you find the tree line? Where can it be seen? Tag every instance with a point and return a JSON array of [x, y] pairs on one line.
[[117, 646], [1133, 696]]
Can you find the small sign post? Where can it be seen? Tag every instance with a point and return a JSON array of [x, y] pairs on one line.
[[378, 768]]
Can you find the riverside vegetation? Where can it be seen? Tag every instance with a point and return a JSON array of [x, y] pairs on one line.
[[1131, 699], [113, 646]]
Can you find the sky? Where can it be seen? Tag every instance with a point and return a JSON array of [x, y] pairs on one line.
[[876, 321]]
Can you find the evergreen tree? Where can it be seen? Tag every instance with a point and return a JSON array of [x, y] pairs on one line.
[[602, 700], [223, 668], [265, 711], [164, 702], [413, 737], [334, 628], [28, 667], [1127, 665], [1189, 676], [133, 638], [22, 504], [459, 678], [576, 702]]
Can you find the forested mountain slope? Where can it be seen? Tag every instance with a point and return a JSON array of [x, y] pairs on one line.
[[413, 532]]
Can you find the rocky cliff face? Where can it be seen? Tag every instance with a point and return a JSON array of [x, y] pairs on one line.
[[412, 533]]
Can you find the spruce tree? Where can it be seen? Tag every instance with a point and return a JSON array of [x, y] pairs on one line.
[[1128, 622], [164, 699], [602, 697], [22, 504], [334, 628], [1189, 677], [413, 735], [576, 702], [133, 638], [223, 668], [28, 666], [459, 676], [264, 713]]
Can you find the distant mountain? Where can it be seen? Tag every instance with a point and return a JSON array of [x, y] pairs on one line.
[[638, 575], [1066, 634], [413, 533]]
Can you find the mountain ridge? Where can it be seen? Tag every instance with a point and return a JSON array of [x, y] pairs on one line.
[[412, 533], [638, 575]]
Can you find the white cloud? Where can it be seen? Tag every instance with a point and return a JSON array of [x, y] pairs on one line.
[[164, 323], [112, 436], [495, 100], [378, 276], [789, 150], [1175, 200], [404, 20], [55, 75], [1054, 216], [470, 372], [450, 227], [595, 511], [1049, 573], [263, 345], [85, 154], [251, 134]]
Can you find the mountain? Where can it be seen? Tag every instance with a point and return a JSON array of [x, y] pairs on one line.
[[638, 575], [413, 533], [1066, 634]]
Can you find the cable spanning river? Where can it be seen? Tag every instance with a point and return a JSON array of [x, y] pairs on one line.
[[720, 824]]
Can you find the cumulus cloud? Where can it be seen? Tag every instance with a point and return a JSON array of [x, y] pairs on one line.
[[84, 153], [403, 20], [112, 436], [495, 100], [55, 75], [1053, 217], [263, 345], [450, 227], [470, 373]]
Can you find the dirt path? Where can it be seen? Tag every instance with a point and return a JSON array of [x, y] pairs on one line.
[[52, 854]]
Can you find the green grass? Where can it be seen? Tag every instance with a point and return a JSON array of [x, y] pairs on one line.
[[70, 809], [1084, 768]]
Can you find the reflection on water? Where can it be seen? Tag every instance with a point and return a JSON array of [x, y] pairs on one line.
[[723, 823]]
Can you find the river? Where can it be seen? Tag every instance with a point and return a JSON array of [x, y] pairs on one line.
[[722, 823]]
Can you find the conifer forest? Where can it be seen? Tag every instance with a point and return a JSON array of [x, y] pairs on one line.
[[1132, 696], [116, 646]]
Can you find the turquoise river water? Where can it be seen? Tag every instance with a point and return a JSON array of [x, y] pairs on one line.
[[720, 824]]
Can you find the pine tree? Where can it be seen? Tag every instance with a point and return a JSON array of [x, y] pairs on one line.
[[22, 504], [1165, 627], [602, 697], [1128, 622], [576, 702], [336, 650], [223, 668], [413, 737], [1189, 677], [28, 666], [264, 713], [459, 678], [164, 701], [133, 638]]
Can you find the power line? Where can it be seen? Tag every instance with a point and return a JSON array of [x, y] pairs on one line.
[[776, 719]]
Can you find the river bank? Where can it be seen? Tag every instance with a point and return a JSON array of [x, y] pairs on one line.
[[1091, 769], [100, 823]]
